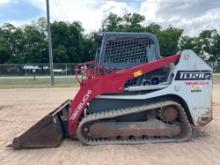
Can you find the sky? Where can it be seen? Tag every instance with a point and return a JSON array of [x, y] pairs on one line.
[[191, 15]]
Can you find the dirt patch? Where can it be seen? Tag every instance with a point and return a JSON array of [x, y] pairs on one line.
[[5, 106], [30, 105], [198, 132], [216, 104]]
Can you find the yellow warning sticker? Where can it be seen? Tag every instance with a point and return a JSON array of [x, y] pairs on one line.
[[138, 73], [196, 88]]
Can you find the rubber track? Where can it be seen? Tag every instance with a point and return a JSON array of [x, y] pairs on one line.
[[185, 135]]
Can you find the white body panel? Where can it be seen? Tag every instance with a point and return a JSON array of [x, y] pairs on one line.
[[196, 93]]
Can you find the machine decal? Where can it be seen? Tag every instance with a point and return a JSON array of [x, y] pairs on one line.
[[81, 104], [203, 83], [193, 75], [186, 57], [196, 88], [138, 73]]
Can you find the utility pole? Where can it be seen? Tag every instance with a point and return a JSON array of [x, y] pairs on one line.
[[50, 45]]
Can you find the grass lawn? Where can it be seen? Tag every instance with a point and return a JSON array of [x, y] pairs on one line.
[[217, 79], [17, 82], [37, 83]]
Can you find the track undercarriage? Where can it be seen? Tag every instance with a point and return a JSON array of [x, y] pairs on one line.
[[107, 128]]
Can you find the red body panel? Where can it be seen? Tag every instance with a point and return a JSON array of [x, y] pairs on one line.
[[111, 83]]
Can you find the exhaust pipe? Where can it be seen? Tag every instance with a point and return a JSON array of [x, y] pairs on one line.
[[46, 133]]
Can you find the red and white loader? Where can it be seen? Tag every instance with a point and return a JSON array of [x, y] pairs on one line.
[[130, 95]]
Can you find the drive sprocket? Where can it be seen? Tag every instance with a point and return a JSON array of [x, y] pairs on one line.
[[168, 114]]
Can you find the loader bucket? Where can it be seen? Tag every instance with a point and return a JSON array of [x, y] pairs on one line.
[[46, 133]]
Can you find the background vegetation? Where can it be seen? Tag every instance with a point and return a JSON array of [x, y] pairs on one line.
[[28, 44]]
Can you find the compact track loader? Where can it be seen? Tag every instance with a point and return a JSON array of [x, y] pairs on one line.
[[129, 95]]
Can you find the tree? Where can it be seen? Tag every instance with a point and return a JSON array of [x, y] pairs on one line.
[[206, 45], [14, 42], [216, 52], [60, 54], [4, 53], [187, 42], [127, 23], [89, 48], [28, 44], [153, 28], [112, 23], [209, 42], [4, 49], [68, 37], [132, 22], [40, 25], [168, 40], [35, 50]]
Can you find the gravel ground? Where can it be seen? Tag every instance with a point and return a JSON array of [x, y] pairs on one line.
[[21, 108]]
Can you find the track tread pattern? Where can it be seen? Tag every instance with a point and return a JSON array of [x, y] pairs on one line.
[[186, 135]]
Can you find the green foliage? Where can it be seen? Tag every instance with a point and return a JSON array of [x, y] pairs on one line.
[[4, 53], [35, 50], [153, 28], [127, 23], [60, 54], [112, 23], [89, 48], [4, 50], [67, 39], [28, 44], [168, 38], [132, 22], [206, 45]]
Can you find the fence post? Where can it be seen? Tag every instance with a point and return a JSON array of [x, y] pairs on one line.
[[66, 70]]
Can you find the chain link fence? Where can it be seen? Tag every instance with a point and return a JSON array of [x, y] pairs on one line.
[[59, 69], [38, 75], [36, 69]]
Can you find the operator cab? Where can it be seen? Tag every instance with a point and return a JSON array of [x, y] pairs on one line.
[[121, 50]]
